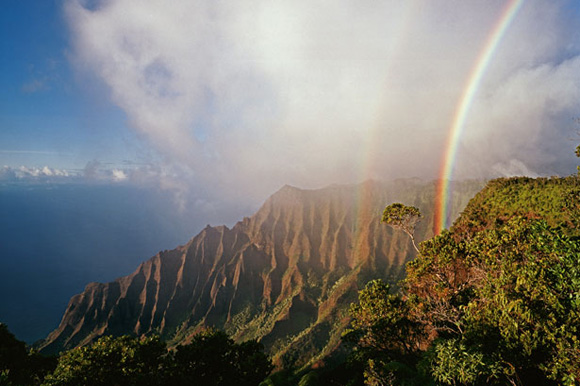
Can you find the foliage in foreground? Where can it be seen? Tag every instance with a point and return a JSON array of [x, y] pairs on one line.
[[17, 365], [211, 359], [403, 217], [496, 300], [112, 361]]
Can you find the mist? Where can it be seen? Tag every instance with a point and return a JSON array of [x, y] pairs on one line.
[[240, 98]]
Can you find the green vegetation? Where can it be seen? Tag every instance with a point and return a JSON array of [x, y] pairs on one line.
[[19, 366], [578, 155], [112, 361], [495, 300], [388, 338], [210, 359], [403, 217], [551, 199]]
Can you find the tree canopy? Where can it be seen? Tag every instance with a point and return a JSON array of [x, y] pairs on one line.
[[210, 359], [578, 155], [112, 361], [18, 366], [403, 217], [213, 358], [494, 300], [507, 301]]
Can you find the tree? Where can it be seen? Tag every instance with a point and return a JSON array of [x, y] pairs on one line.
[[17, 365], [214, 359], [387, 336], [497, 303], [13, 357], [403, 217], [578, 155], [123, 361], [514, 293]]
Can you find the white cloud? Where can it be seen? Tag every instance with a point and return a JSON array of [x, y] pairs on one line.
[[118, 175], [45, 171], [243, 97], [8, 173]]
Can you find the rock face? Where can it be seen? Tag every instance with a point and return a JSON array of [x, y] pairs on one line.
[[284, 276]]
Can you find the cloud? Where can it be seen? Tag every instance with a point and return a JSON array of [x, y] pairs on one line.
[[94, 172], [244, 97], [138, 174], [8, 173], [118, 175]]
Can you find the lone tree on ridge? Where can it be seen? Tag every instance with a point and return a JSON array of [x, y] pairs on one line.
[[403, 217]]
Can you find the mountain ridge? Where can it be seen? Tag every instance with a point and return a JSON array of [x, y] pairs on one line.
[[284, 276]]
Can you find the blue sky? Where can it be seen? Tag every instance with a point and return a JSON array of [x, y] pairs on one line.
[[244, 99], [48, 117]]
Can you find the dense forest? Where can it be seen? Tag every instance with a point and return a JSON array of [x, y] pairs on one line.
[[493, 300]]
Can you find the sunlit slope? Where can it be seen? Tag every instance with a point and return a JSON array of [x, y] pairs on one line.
[[556, 200], [284, 276]]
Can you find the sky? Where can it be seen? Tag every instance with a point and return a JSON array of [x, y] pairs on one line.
[[148, 119], [228, 101]]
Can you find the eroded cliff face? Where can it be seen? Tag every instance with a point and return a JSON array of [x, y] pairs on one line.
[[284, 276]]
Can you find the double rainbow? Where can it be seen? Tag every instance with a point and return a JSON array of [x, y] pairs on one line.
[[473, 82]]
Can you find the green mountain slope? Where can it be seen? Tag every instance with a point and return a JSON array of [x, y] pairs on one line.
[[556, 200], [494, 300]]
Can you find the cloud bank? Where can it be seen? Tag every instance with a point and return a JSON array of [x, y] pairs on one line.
[[26, 173], [243, 97]]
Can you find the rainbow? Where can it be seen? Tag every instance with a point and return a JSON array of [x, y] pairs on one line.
[[473, 82]]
